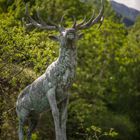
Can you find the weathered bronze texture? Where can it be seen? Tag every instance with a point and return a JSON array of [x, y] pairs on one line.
[[52, 87]]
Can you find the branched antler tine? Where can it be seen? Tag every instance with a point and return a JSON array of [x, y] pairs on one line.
[[40, 19], [101, 21], [27, 12], [93, 21], [26, 24], [84, 20], [99, 18], [74, 22], [62, 19], [90, 20], [61, 22], [36, 24], [51, 22], [32, 21]]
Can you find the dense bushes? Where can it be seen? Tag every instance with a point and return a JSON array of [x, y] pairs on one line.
[[106, 91]]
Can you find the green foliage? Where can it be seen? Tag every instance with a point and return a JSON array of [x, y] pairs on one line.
[[106, 93], [96, 133]]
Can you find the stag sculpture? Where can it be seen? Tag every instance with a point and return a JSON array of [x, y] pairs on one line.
[[52, 87]]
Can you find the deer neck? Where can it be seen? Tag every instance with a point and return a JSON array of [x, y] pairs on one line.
[[68, 56]]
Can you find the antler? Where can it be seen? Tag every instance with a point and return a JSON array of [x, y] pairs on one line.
[[91, 22], [83, 25], [41, 24]]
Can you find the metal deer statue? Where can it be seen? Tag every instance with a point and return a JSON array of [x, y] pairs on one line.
[[52, 87]]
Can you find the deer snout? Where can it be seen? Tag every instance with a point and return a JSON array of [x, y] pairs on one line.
[[70, 35]]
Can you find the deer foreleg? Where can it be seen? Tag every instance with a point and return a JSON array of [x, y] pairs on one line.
[[32, 125], [64, 117], [55, 112]]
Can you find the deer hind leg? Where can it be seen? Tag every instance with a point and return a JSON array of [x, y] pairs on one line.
[[32, 125], [55, 112], [22, 121], [22, 116], [21, 130]]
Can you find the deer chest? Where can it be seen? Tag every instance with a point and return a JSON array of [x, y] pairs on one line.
[[60, 75], [64, 78], [67, 78], [64, 83]]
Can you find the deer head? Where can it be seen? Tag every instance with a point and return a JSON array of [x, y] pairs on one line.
[[66, 35]]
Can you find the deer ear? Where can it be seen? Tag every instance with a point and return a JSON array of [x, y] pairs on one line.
[[55, 38], [80, 35]]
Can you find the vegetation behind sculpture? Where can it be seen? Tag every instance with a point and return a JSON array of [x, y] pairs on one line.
[[106, 92]]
